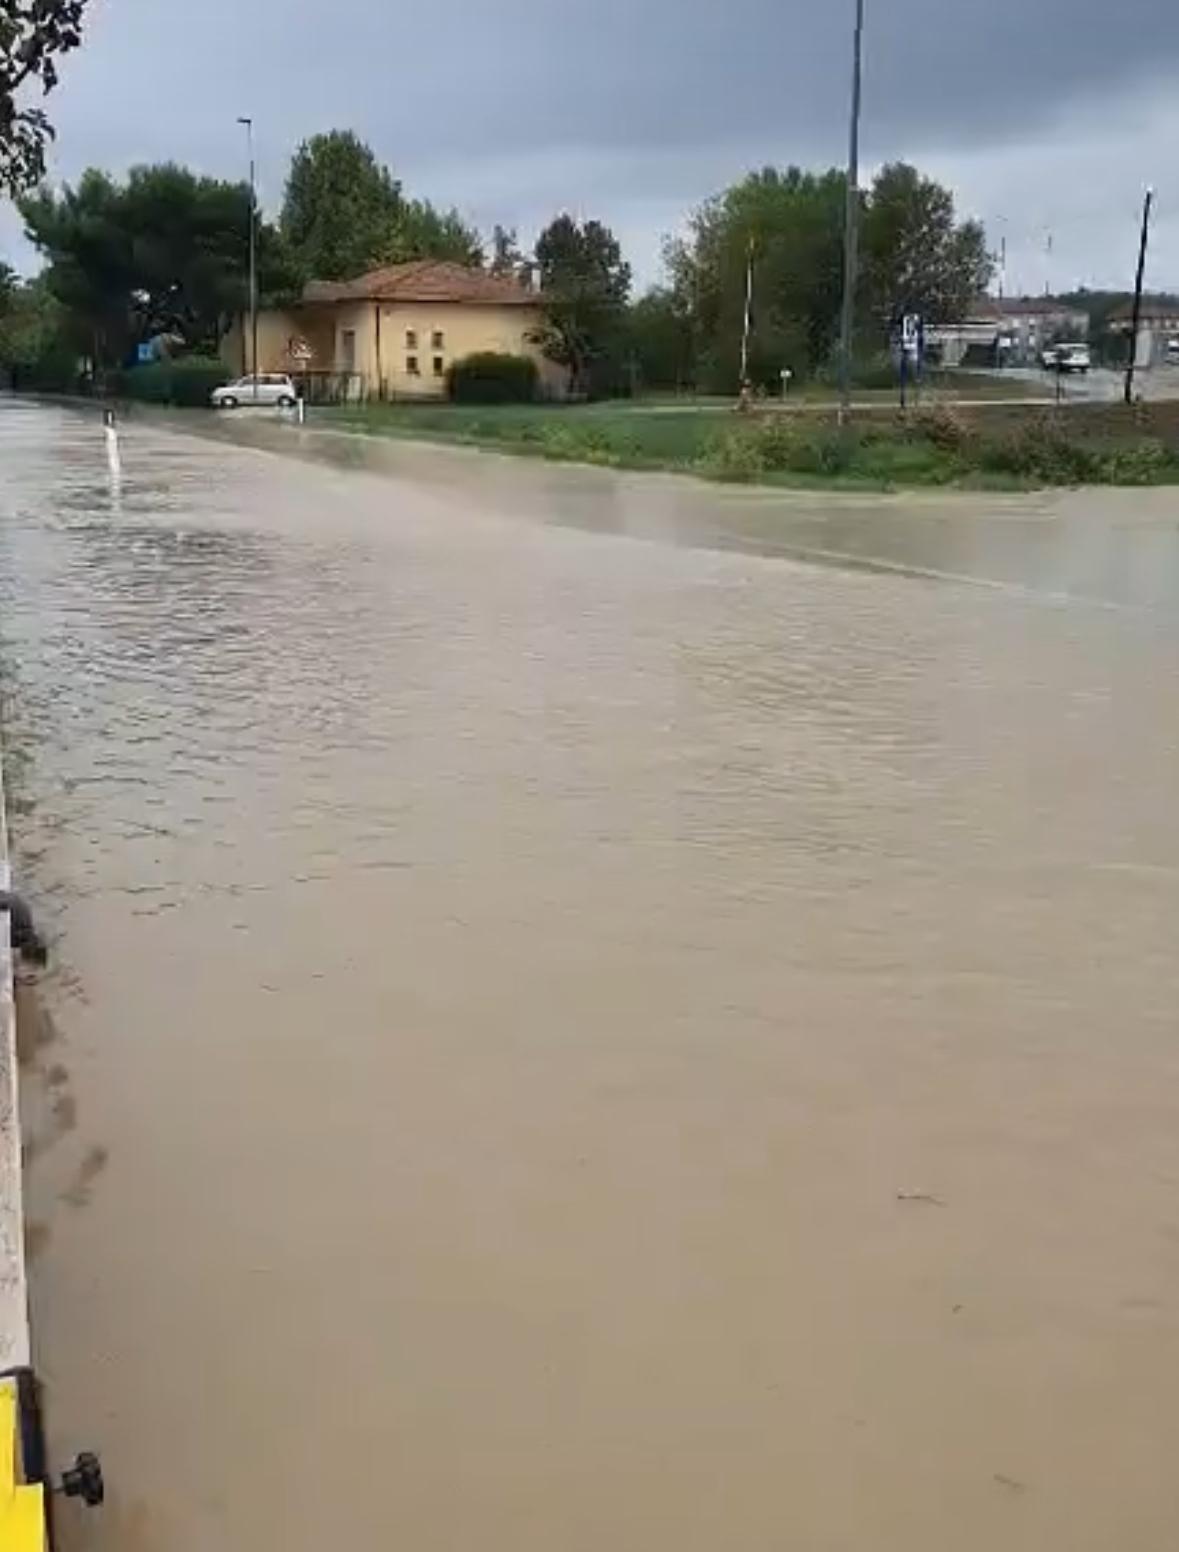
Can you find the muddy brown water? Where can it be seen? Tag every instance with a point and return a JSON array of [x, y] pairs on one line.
[[571, 1029]]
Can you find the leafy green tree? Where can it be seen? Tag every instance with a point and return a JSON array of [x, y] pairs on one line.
[[661, 339], [344, 213], [791, 222], [420, 231], [90, 269], [917, 258], [340, 207], [35, 344], [166, 252], [506, 258], [33, 36], [585, 283]]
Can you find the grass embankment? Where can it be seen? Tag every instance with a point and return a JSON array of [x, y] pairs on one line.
[[998, 445]]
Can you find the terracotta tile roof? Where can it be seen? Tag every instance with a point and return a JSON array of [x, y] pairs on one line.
[[1155, 309], [423, 280], [1024, 307]]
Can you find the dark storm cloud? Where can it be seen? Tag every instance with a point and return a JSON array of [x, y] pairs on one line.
[[637, 109], [495, 77]]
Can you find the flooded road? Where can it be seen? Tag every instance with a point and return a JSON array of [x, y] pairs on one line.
[[561, 1042]]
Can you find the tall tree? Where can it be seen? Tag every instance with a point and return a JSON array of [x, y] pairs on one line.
[[33, 36], [917, 258], [506, 258], [89, 265], [162, 253], [661, 340], [585, 283], [421, 231], [790, 224], [35, 344], [340, 207]]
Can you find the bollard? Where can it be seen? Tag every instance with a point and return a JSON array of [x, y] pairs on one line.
[[113, 459]]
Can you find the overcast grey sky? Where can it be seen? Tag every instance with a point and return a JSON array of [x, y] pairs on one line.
[[1047, 116]]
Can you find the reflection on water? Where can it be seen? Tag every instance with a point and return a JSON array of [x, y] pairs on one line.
[[579, 1043]]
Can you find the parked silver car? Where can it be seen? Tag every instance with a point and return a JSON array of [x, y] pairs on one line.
[[265, 388]]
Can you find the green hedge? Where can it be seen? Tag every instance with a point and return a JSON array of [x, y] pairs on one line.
[[491, 378], [188, 381]]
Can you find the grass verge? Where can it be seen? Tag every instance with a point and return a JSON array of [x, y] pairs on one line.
[[939, 446]]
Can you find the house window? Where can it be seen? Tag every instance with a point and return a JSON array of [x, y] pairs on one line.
[[439, 340], [348, 350], [411, 366], [439, 366], [411, 339]]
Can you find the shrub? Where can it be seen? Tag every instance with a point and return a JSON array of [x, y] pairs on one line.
[[942, 428], [733, 455], [489, 377], [1143, 463], [582, 443], [1041, 450], [780, 442], [188, 381]]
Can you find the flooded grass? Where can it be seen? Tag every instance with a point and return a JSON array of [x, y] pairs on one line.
[[1000, 446]]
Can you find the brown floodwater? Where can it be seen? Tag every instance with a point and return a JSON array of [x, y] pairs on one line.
[[573, 1028]]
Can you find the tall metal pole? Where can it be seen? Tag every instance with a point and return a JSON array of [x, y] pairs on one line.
[[748, 321], [851, 229], [1136, 318], [249, 126]]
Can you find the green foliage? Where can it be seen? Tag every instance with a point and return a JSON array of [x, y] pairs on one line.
[[344, 213], [491, 378], [1148, 462], [584, 284], [420, 231], [733, 455], [927, 448], [339, 208], [660, 340], [164, 253], [793, 221], [1042, 451], [916, 257], [942, 427], [35, 350], [188, 381], [33, 36], [506, 257]]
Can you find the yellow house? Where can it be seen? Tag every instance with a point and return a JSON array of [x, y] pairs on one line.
[[393, 332]]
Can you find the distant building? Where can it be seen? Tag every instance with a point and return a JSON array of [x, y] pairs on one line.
[[394, 332], [1007, 331], [1158, 329]]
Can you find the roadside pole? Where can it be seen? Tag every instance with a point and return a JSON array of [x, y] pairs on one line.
[[851, 228], [249, 128], [747, 323], [1136, 319]]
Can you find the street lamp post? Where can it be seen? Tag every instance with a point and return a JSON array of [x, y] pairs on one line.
[[851, 229], [746, 323], [1136, 317], [249, 128]]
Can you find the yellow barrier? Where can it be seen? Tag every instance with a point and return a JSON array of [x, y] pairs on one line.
[[22, 1505]]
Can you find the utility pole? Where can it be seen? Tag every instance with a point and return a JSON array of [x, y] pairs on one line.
[[851, 229], [249, 128], [748, 321], [1136, 318]]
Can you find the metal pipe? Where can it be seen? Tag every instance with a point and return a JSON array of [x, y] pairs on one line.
[[249, 127], [1136, 317], [851, 230], [748, 321]]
